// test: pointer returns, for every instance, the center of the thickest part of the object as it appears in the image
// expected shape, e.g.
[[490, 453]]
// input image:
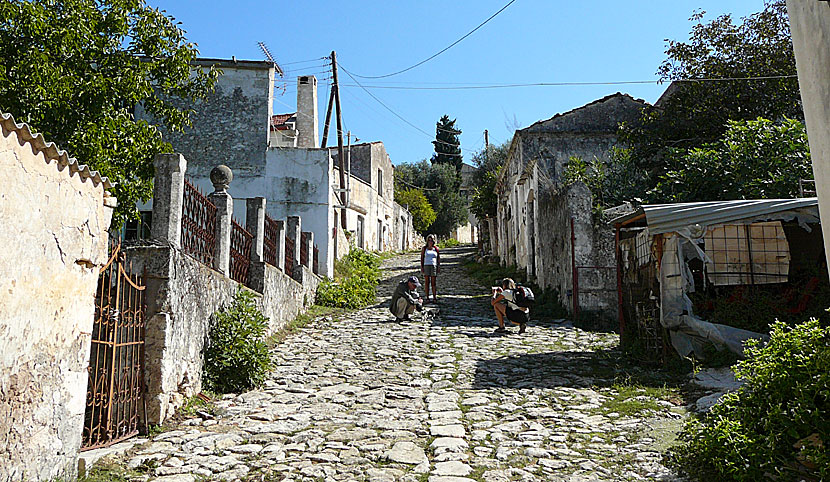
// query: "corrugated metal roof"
[[51, 151], [665, 218]]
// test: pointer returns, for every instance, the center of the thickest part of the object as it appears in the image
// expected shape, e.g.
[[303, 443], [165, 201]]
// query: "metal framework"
[[271, 241], [304, 249], [241, 243], [198, 225], [115, 407], [289, 256]]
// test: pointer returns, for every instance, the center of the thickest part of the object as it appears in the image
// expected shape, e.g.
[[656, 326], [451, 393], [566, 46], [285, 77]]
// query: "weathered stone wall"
[[182, 295], [54, 235], [230, 126], [594, 247], [810, 24]]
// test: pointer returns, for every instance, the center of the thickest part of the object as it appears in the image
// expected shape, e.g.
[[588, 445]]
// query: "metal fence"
[[271, 241], [289, 256], [115, 391], [241, 243], [198, 225], [304, 249]]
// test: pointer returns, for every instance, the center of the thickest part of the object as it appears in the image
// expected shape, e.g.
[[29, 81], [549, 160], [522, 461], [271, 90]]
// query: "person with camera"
[[405, 299], [504, 301]]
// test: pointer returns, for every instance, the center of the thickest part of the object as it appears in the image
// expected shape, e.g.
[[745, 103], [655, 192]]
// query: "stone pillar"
[[255, 224], [221, 177], [810, 25], [294, 231], [309, 246], [168, 198]]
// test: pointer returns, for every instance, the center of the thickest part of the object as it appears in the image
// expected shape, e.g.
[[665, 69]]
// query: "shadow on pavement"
[[569, 369]]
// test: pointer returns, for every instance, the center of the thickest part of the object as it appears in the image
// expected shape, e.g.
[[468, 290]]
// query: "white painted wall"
[[810, 25]]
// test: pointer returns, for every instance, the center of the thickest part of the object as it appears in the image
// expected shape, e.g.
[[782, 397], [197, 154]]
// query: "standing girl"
[[430, 266]]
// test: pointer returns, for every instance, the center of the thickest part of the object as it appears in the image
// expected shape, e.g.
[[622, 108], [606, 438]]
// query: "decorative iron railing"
[[271, 245], [198, 225], [115, 390], [316, 258], [289, 256], [304, 249], [241, 243]]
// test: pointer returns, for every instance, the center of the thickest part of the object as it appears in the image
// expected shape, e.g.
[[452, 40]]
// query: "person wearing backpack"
[[512, 302]]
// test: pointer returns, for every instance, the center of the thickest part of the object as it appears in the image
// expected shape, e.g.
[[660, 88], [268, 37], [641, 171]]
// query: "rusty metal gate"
[[115, 407]]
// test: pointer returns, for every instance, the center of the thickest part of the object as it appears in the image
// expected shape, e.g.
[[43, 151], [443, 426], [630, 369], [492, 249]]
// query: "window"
[[380, 182], [359, 234], [136, 229]]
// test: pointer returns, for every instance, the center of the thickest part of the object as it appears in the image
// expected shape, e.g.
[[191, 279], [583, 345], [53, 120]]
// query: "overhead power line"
[[561, 84], [440, 51], [395, 113]]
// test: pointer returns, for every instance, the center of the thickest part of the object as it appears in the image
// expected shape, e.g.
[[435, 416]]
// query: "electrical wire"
[[303, 61], [560, 84], [440, 51], [395, 113]]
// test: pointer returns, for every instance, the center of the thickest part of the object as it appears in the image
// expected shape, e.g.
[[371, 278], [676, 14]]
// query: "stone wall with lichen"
[[54, 240], [182, 296]]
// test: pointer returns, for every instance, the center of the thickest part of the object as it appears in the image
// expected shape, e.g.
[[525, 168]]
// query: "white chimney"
[[307, 111]]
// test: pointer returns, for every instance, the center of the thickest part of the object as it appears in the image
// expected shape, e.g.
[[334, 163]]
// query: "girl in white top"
[[430, 267]]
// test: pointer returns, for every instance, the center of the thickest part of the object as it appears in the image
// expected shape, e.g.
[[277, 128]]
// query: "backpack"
[[523, 297]]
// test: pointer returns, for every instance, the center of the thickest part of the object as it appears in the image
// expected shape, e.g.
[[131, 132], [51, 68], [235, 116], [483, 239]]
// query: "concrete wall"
[[810, 25], [54, 235], [182, 295]]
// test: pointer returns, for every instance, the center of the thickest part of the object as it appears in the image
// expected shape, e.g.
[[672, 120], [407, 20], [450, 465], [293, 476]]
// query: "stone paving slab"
[[441, 399]]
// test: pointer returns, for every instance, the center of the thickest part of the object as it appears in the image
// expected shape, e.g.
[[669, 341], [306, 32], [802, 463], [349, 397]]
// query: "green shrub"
[[356, 277], [777, 425], [449, 243], [236, 357]]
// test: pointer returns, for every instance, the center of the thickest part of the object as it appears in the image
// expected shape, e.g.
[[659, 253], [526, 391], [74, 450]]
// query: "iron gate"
[[115, 407]]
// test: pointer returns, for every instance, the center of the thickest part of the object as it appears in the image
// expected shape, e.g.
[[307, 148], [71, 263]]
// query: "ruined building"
[[548, 229]]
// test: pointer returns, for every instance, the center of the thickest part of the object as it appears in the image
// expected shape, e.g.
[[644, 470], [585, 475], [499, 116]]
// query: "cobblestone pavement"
[[440, 399]]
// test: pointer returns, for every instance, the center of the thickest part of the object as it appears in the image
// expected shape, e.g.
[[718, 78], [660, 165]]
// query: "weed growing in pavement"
[[201, 402], [236, 356], [107, 471], [449, 243], [356, 277], [303, 319]]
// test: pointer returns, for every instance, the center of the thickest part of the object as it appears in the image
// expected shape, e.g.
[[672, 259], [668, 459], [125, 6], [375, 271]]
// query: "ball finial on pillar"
[[221, 177]]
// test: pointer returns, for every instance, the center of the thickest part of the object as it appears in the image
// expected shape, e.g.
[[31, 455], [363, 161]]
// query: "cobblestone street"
[[442, 399]]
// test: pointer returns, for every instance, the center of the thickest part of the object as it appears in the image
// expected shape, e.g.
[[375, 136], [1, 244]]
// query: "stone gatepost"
[[221, 176], [309, 246], [280, 244], [168, 198], [255, 224], [294, 231]]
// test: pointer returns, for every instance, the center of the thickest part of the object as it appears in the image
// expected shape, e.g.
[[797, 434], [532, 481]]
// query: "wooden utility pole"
[[328, 118], [486, 145], [336, 89]]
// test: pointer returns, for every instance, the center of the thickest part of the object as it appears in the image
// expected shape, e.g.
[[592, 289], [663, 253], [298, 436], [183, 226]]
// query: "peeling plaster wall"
[[594, 247], [810, 25], [182, 295], [54, 242]]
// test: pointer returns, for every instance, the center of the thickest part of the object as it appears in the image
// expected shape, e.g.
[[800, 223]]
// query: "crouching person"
[[406, 299], [506, 302]]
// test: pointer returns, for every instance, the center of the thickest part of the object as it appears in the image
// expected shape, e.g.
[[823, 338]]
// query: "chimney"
[[307, 111]]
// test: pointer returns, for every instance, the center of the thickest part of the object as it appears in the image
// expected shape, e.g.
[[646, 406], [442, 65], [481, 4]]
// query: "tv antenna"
[[269, 57]]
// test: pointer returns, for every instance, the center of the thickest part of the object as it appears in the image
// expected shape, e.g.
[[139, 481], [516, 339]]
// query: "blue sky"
[[531, 41]]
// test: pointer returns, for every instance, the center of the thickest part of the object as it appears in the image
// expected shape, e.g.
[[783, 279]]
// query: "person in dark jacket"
[[405, 299], [504, 303]]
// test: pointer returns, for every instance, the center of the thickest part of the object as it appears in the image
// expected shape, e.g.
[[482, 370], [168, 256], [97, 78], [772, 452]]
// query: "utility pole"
[[328, 118], [486, 145], [340, 156]]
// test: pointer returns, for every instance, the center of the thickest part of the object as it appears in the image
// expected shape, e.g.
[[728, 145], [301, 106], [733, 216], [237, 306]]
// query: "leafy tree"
[[696, 113], [416, 202], [446, 143], [753, 160], [489, 162], [74, 70], [440, 185]]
